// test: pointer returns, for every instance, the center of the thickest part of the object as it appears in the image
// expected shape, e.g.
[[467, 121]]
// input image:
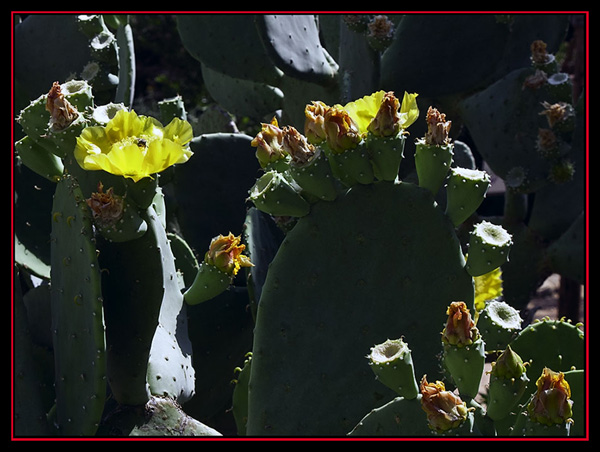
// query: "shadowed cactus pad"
[[339, 284]]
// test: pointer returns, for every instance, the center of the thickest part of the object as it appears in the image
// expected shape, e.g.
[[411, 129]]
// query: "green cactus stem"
[[308, 166], [353, 165], [498, 323], [277, 195], [489, 246], [465, 192], [391, 361], [39, 159], [508, 381], [386, 156], [77, 314], [114, 216], [240, 395], [55, 119], [387, 135], [433, 153], [209, 282], [464, 350]]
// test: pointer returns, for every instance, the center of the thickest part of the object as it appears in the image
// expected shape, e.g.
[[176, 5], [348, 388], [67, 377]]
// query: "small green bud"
[[508, 381], [498, 322], [508, 365]]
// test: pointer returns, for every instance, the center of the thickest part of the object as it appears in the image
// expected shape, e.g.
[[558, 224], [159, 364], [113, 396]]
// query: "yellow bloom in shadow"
[[487, 287], [134, 146]]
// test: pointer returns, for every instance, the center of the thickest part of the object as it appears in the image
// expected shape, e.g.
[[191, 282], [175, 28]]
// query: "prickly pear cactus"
[[381, 260]]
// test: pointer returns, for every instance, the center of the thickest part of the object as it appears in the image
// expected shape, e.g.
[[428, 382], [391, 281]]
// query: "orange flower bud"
[[445, 410], [107, 208], [438, 128], [62, 113], [314, 123], [342, 133], [268, 143], [460, 328], [552, 402]]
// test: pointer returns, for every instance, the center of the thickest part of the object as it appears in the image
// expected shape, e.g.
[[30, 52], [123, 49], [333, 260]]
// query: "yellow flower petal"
[[127, 161], [409, 111], [179, 131], [363, 110]]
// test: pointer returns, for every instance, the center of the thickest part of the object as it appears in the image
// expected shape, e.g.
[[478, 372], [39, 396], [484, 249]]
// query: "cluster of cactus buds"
[[358, 143]]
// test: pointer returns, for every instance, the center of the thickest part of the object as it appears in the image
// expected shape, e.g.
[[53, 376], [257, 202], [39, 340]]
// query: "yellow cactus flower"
[[487, 287], [364, 110], [134, 146], [225, 253]]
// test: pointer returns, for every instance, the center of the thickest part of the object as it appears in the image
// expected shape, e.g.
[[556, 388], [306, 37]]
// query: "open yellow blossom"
[[365, 109], [134, 146]]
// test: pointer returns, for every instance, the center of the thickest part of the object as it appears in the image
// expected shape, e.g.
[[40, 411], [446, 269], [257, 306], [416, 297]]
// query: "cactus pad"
[[77, 314]]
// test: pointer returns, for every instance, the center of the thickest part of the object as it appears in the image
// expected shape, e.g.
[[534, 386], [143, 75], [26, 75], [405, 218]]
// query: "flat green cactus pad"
[[340, 283]]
